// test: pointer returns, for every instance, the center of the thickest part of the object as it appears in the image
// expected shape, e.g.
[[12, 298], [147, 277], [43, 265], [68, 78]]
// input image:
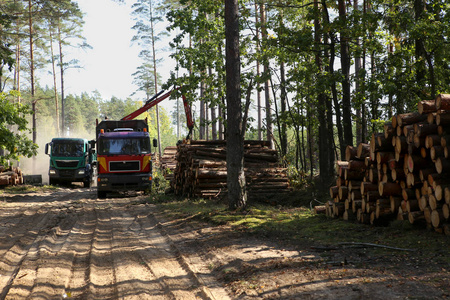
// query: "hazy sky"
[[109, 65]]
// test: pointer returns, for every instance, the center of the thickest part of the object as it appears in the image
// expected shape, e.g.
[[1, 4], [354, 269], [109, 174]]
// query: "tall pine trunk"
[[266, 71], [237, 194], [61, 66], [345, 66], [55, 89]]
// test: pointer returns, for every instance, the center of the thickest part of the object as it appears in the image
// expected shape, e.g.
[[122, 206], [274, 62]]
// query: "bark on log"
[[415, 216], [395, 203], [389, 130], [368, 186], [356, 204], [424, 129], [363, 150], [389, 189], [443, 102], [410, 118], [358, 165], [354, 185], [398, 174], [385, 157], [343, 193], [426, 106], [350, 153], [433, 140], [383, 143], [401, 144], [356, 195], [340, 167], [416, 162], [445, 140], [320, 209], [412, 205], [354, 174], [443, 119]]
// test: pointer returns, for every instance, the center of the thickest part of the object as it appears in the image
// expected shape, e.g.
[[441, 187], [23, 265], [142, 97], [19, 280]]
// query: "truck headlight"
[[80, 172], [52, 172]]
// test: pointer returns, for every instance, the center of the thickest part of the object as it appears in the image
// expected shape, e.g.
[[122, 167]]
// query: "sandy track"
[[68, 244]]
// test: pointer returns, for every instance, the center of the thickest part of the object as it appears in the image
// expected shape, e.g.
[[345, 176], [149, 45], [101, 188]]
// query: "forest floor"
[[65, 243]]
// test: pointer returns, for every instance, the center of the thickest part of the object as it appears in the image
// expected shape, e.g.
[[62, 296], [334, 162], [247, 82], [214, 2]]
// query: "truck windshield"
[[124, 146], [68, 149]]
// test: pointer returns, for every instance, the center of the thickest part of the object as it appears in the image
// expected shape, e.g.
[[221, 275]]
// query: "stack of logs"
[[201, 170], [10, 176], [168, 162], [402, 173]]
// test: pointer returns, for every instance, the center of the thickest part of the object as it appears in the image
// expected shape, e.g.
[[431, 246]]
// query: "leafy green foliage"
[[13, 124]]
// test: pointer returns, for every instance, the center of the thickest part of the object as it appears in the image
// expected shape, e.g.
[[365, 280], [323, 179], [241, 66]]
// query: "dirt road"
[[69, 244], [66, 243]]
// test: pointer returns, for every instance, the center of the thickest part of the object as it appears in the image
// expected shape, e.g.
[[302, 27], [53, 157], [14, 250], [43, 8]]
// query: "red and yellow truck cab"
[[123, 156]]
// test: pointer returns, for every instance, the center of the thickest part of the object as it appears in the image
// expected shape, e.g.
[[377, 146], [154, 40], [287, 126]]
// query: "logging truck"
[[71, 160], [124, 150]]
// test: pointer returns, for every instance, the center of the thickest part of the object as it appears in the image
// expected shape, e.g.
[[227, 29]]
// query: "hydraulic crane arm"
[[156, 99]]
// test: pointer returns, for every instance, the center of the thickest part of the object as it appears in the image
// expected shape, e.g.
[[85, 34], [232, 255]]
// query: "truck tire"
[[101, 194], [87, 183], [53, 181]]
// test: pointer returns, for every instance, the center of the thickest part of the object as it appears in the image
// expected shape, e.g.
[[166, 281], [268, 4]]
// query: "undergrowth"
[[291, 219], [26, 188]]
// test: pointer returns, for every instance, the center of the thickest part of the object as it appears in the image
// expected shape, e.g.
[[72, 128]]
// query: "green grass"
[[20, 189]]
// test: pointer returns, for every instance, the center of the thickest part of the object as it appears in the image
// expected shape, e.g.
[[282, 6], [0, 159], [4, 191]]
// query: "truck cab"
[[72, 160], [124, 156]]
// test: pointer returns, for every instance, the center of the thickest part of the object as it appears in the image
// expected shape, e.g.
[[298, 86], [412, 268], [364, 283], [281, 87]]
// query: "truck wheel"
[[53, 181], [87, 183], [101, 194]]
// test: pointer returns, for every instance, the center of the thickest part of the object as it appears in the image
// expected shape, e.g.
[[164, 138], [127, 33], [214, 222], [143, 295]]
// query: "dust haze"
[[45, 132]]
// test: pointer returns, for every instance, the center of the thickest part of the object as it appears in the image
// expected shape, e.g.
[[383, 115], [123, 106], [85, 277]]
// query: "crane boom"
[[156, 99]]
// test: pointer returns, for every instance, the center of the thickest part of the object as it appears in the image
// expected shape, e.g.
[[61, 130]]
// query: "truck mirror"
[[46, 148], [155, 143], [92, 143]]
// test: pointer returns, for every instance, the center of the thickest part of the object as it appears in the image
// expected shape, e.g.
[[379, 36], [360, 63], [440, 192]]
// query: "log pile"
[[201, 170], [402, 173], [168, 162], [10, 176]]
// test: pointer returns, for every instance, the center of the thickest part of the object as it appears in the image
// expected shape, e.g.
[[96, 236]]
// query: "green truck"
[[72, 160]]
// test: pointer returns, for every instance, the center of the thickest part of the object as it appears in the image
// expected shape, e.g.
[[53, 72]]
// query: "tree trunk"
[[237, 194], [155, 74], [345, 65], [283, 132], [33, 100], [337, 108], [258, 73], [54, 83], [322, 107], [269, 127], [61, 67]]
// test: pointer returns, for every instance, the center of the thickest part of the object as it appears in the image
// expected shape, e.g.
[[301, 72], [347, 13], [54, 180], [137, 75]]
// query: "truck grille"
[[124, 166], [66, 163], [67, 173]]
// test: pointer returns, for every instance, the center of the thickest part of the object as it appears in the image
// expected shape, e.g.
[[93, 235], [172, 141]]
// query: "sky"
[[109, 65]]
